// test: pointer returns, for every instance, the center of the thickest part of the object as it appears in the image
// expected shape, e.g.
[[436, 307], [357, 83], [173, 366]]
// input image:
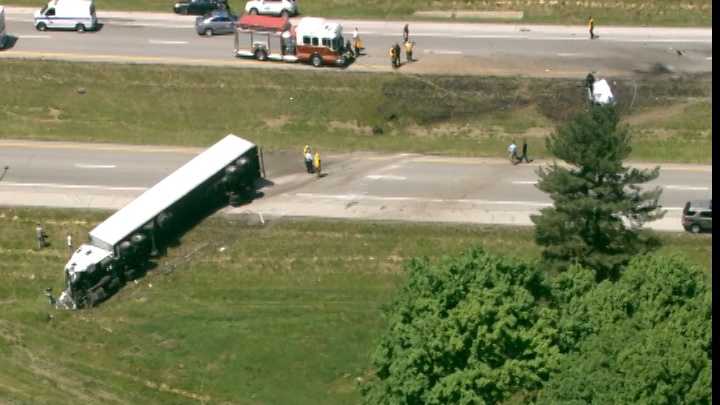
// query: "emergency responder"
[[308, 158], [317, 164], [357, 42], [393, 57], [406, 33], [591, 27], [409, 50], [397, 55], [69, 243]]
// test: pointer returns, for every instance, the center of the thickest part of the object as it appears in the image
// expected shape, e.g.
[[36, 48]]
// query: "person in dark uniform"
[[397, 55], [524, 155], [406, 33]]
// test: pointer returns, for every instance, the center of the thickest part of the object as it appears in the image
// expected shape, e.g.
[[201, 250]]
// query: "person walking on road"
[[392, 57], [591, 27], [524, 155], [406, 33], [512, 153], [397, 55], [40, 236], [317, 164]]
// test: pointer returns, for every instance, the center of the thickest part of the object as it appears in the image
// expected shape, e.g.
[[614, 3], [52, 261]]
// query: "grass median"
[[610, 12], [337, 111], [284, 313]]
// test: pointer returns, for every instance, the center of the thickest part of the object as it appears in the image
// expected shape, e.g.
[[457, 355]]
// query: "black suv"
[[697, 216], [199, 7]]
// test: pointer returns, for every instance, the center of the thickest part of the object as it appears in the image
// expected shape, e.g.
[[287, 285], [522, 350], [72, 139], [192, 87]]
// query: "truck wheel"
[[261, 55], [316, 60], [208, 32], [284, 14], [41, 27], [695, 228], [253, 11], [80, 28]]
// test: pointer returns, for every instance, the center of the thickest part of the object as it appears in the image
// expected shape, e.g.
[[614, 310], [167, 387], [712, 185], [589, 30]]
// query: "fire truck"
[[313, 40]]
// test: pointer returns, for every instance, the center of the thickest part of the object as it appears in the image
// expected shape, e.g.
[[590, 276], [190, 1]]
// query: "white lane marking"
[[569, 54], [540, 37], [442, 52], [85, 166], [708, 58], [163, 42], [34, 36], [687, 188], [72, 186], [385, 177], [365, 197], [524, 182]]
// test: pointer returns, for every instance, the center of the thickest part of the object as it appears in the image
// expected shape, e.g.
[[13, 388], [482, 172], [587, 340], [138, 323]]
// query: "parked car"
[[697, 216], [199, 7], [216, 23], [283, 8]]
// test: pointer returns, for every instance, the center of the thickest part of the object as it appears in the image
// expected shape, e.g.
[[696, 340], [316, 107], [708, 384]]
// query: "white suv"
[[284, 8]]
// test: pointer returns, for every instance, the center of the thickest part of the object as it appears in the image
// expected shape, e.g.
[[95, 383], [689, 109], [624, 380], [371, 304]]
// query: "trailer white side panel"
[[168, 191], [2, 27]]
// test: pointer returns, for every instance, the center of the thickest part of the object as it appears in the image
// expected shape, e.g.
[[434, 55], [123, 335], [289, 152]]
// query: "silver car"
[[216, 23]]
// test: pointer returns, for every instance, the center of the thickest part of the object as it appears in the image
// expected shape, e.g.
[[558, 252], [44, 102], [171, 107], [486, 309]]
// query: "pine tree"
[[599, 207]]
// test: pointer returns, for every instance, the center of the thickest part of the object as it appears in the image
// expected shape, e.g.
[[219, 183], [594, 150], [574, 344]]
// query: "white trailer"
[[119, 248]]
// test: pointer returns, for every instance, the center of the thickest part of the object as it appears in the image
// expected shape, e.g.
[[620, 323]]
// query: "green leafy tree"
[[646, 338], [593, 195], [472, 329]]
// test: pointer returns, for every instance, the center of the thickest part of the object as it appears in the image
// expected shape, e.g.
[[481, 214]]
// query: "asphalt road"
[[357, 186], [503, 49]]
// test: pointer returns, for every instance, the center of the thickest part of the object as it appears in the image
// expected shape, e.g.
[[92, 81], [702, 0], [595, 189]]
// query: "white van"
[[78, 15]]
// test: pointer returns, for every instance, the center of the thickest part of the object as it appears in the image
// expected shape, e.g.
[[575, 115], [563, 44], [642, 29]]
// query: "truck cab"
[[320, 42]]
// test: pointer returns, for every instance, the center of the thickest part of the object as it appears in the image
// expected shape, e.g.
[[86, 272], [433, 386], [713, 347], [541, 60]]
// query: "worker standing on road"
[[317, 164], [397, 55], [409, 50], [307, 156], [512, 153], [393, 57], [406, 33], [524, 155], [357, 43], [591, 27]]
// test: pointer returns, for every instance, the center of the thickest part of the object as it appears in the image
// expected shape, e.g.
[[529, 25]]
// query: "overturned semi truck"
[[119, 249]]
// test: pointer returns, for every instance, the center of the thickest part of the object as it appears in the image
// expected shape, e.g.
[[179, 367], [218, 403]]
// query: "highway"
[[459, 48], [403, 187]]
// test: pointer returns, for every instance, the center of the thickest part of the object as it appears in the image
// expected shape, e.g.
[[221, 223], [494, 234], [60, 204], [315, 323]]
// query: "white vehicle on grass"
[[601, 93], [284, 8], [78, 15], [3, 35]]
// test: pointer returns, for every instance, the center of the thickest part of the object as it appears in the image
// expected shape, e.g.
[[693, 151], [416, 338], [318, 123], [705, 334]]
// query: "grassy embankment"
[[285, 313], [340, 111], [608, 12]]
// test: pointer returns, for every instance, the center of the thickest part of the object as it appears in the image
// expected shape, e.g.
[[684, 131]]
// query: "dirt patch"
[[275, 123], [350, 126], [656, 114]]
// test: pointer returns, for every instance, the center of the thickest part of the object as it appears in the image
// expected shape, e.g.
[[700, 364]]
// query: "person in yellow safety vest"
[[393, 57], [591, 27], [409, 50], [317, 163]]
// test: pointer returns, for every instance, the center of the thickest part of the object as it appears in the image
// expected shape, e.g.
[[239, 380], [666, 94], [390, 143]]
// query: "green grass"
[[627, 12], [286, 313], [339, 111]]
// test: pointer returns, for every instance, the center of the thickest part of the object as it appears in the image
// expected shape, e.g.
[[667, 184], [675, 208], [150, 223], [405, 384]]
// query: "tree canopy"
[[467, 330], [599, 206]]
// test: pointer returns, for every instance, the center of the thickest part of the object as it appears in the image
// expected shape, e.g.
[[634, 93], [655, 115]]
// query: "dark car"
[[217, 22], [697, 216], [199, 7]]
